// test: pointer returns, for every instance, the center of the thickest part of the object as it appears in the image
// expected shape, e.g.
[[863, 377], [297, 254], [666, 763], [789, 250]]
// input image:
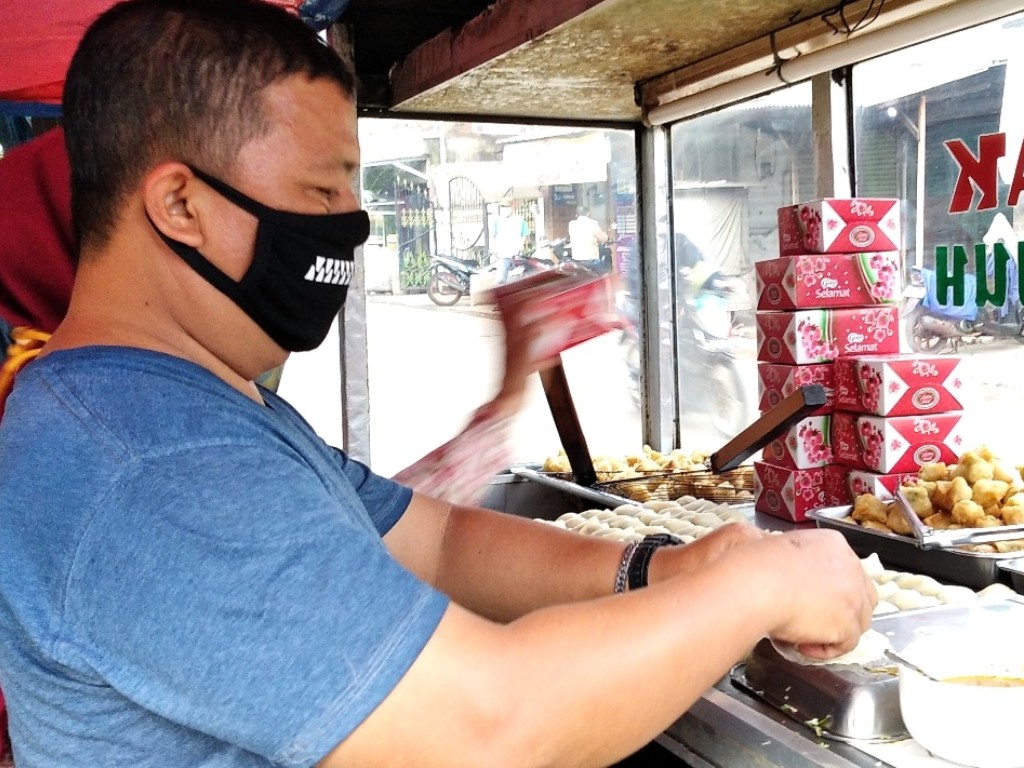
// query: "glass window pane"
[[732, 171], [451, 189], [954, 89]]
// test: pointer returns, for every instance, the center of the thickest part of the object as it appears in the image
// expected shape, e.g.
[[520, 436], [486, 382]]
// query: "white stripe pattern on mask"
[[330, 271]]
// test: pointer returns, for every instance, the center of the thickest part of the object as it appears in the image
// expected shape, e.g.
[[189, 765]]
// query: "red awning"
[[38, 39]]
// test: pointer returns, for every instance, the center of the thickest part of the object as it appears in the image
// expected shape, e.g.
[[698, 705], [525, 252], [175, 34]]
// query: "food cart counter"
[[727, 728], [731, 728]]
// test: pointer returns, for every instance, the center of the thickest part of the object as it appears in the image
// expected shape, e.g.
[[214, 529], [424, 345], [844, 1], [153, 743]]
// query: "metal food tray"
[[972, 569], [668, 486], [699, 484], [848, 702], [931, 538], [1015, 569]]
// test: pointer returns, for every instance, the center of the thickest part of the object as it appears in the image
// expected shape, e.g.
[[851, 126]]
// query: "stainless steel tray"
[[847, 702], [971, 569], [1015, 569]]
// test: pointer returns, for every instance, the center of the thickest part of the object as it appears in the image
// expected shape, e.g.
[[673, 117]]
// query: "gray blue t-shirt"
[[188, 578]]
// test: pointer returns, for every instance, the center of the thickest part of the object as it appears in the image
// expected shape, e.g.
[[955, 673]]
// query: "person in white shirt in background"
[[509, 237], [586, 237]]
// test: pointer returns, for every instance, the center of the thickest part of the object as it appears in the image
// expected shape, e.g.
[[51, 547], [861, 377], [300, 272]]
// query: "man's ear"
[[170, 194]]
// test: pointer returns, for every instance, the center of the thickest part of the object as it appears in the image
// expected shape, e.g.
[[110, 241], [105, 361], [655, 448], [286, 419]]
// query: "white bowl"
[[974, 725]]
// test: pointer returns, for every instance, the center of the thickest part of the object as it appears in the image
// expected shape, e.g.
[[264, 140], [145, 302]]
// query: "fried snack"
[[875, 526], [897, 522], [942, 496], [974, 466], [940, 521], [933, 471], [967, 513], [918, 499], [979, 491], [989, 493], [1013, 515], [557, 463], [1006, 473], [1010, 545], [869, 508], [959, 490]]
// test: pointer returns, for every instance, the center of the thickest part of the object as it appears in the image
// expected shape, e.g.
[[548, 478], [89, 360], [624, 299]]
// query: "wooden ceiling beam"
[[500, 29]]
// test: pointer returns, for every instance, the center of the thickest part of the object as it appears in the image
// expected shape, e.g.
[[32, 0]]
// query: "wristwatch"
[[640, 561]]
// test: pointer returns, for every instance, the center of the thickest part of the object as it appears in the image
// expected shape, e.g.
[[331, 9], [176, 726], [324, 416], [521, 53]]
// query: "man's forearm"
[[502, 566]]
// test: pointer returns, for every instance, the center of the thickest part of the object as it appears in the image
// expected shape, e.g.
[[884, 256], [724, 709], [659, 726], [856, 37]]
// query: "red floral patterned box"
[[776, 382], [898, 443], [792, 493], [823, 335], [571, 307], [899, 385], [835, 225], [825, 281], [805, 445], [882, 486]]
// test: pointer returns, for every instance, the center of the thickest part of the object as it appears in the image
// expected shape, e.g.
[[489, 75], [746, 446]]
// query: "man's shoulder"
[[132, 399]]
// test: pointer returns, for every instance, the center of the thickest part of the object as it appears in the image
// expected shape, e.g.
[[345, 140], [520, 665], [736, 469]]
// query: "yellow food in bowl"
[[990, 681]]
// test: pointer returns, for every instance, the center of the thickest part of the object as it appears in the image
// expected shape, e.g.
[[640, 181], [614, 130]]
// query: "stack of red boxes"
[[895, 413], [831, 294]]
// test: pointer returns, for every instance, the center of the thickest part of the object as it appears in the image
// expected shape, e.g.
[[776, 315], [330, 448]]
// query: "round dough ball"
[[680, 527], [872, 565], [659, 506], [707, 520], [734, 516], [628, 509], [910, 581], [887, 590], [908, 599], [625, 521], [885, 576], [996, 592], [928, 586], [952, 594]]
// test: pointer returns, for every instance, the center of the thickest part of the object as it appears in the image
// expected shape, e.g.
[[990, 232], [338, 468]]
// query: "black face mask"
[[302, 265]]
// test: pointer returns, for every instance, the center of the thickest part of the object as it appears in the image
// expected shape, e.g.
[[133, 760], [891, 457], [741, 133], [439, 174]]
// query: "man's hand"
[[691, 558], [825, 598]]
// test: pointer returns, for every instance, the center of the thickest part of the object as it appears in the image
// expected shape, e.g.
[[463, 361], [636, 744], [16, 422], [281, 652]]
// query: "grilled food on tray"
[[980, 491]]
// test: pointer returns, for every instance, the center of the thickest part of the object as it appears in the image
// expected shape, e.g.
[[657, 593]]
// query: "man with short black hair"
[[190, 576]]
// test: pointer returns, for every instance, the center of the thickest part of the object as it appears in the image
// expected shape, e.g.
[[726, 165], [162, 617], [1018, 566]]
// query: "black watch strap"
[[640, 563]]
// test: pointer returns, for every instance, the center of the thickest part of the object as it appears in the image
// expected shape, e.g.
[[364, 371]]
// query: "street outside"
[[431, 367]]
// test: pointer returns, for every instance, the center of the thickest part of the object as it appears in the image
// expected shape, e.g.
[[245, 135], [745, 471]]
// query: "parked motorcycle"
[[450, 278], [562, 253], [932, 325]]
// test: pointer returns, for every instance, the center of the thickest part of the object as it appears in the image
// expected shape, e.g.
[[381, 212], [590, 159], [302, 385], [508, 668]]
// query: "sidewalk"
[[422, 301]]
